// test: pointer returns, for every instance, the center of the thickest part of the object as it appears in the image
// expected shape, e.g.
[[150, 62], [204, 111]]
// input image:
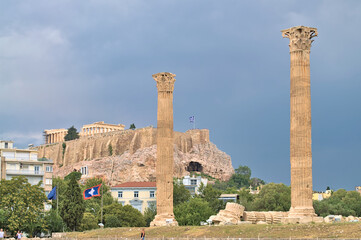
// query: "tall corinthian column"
[[300, 126], [165, 160]]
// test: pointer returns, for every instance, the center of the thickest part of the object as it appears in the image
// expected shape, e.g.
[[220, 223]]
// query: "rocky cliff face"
[[133, 155]]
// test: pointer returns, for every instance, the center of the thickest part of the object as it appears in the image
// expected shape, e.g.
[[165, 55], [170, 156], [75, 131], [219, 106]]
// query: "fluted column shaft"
[[165, 159], [300, 130], [300, 120]]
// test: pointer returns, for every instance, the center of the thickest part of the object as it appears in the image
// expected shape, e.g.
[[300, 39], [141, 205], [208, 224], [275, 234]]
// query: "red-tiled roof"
[[135, 184]]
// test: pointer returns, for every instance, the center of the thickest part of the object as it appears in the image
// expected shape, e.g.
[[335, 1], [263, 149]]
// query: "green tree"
[[3, 218], [110, 149], [256, 182], [150, 213], [321, 208], [192, 212], [127, 215], [246, 198], [131, 217], [211, 195], [72, 206], [74, 174], [132, 126], [273, 197], [222, 185], [352, 199], [341, 202], [22, 205], [60, 185], [180, 193], [231, 190], [72, 134], [338, 195], [241, 177], [89, 222], [112, 221], [93, 205], [54, 221], [64, 147]]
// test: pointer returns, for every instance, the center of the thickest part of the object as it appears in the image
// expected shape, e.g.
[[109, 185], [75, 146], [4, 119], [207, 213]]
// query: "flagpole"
[[57, 200], [101, 219]]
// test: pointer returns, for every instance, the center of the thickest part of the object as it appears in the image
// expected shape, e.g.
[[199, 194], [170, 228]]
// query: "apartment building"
[[24, 162]]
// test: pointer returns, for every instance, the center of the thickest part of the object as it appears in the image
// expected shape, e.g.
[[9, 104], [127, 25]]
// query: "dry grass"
[[319, 230]]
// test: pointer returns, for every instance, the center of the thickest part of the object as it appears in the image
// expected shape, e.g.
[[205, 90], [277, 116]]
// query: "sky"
[[65, 63]]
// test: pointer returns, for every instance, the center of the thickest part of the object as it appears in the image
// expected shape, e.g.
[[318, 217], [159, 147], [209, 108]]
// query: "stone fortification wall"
[[134, 155]]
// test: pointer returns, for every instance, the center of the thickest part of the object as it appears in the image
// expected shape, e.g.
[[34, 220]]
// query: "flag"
[[191, 119], [52, 194], [92, 192]]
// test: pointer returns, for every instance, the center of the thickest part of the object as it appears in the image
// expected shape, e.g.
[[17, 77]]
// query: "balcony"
[[25, 172]]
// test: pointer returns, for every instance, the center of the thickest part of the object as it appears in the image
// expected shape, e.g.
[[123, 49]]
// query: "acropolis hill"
[[134, 155]]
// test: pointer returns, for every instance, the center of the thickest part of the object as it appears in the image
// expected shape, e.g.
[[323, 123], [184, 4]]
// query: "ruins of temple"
[[57, 135]]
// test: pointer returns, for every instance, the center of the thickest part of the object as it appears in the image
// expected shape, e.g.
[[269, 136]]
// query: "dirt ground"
[[313, 230]]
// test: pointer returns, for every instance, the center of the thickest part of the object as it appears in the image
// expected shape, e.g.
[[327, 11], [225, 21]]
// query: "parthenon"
[[57, 135], [100, 127]]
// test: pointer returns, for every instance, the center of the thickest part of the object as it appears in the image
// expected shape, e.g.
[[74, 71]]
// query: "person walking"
[[142, 234], [18, 235], [2, 234]]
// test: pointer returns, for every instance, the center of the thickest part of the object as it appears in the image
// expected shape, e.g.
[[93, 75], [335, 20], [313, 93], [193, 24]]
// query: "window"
[[136, 194], [151, 194], [11, 166], [6, 145], [24, 167], [22, 156], [193, 181], [120, 194], [9, 155], [84, 170], [48, 181], [49, 168], [37, 169]]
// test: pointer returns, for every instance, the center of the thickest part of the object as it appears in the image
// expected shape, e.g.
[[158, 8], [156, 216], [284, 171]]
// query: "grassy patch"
[[319, 230]]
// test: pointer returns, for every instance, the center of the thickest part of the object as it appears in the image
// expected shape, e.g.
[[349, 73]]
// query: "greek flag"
[[52, 194], [91, 192], [191, 119]]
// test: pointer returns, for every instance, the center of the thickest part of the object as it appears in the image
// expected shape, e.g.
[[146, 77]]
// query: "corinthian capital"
[[300, 37], [165, 81]]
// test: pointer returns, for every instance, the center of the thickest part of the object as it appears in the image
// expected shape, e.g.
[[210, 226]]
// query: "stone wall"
[[134, 155]]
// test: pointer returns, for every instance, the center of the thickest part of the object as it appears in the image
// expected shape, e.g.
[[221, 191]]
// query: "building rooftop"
[[136, 185], [229, 195]]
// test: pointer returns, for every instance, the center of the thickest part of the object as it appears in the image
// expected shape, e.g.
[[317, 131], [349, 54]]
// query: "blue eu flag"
[[52, 194], [92, 192], [191, 119]]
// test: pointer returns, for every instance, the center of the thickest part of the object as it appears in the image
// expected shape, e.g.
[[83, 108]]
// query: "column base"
[[302, 212], [164, 220]]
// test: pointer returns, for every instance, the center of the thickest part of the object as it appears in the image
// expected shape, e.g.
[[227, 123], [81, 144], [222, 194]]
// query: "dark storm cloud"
[[66, 63]]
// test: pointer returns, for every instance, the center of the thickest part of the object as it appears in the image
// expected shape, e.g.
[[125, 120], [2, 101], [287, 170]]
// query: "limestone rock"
[[134, 155], [261, 222]]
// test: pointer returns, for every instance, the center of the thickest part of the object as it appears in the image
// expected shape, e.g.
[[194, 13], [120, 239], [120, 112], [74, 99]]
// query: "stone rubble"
[[229, 216]]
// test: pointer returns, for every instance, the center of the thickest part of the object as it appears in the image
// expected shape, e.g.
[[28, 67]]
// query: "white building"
[[24, 162], [193, 183], [140, 195]]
